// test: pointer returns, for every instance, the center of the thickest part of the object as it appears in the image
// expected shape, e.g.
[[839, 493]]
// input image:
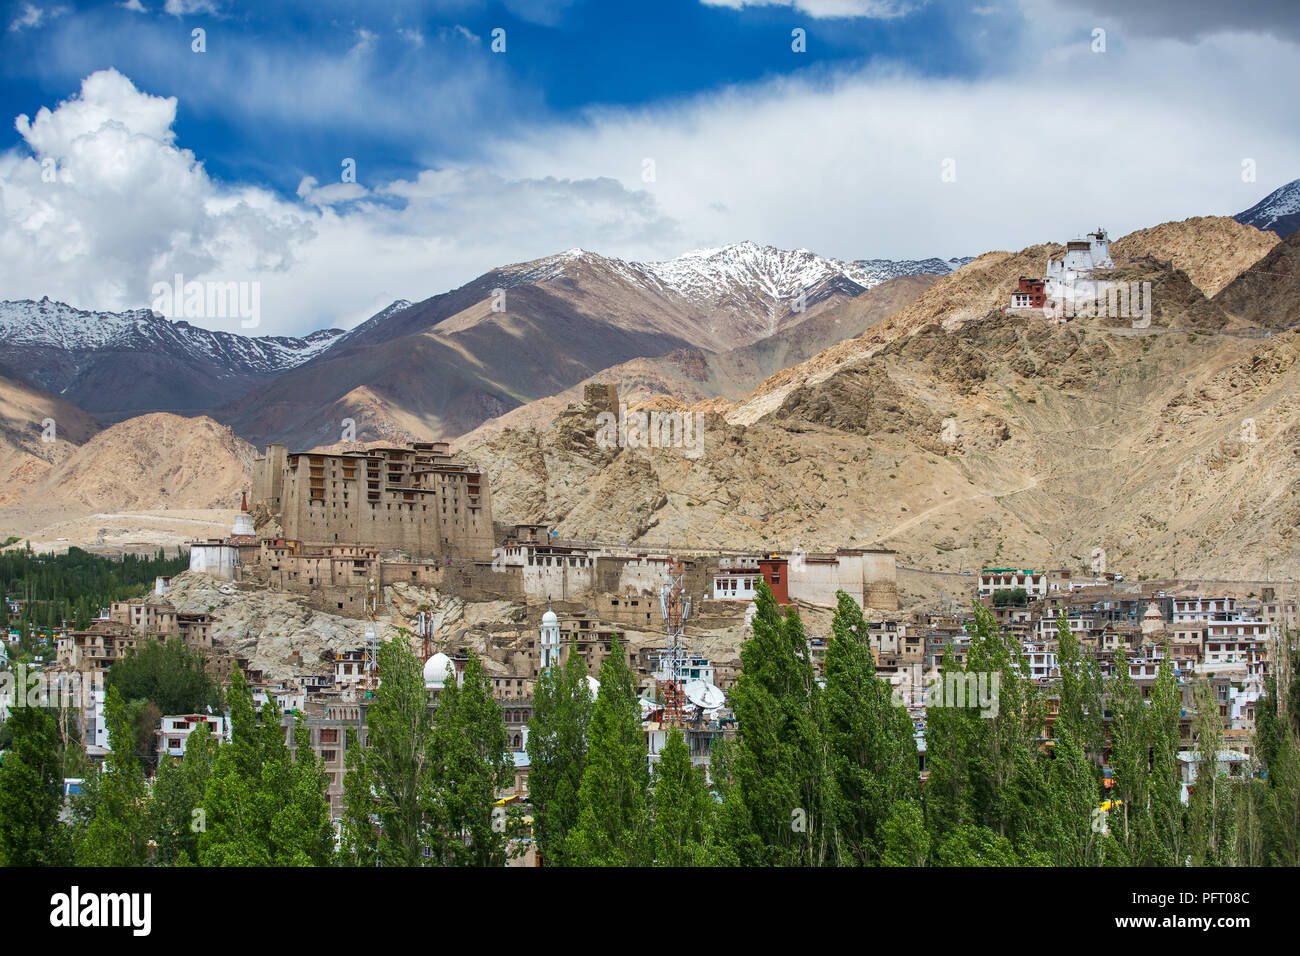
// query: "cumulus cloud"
[[100, 200], [852, 164], [103, 204]]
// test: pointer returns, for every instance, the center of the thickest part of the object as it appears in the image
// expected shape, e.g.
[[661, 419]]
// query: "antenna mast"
[[676, 607]]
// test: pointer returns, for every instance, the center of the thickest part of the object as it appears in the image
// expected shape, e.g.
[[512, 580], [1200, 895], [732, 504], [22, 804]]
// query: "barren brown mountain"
[[37, 432], [150, 462], [697, 375], [1268, 294], [443, 366], [1212, 250], [962, 436]]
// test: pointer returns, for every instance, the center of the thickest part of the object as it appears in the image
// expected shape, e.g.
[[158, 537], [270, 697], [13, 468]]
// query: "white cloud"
[[411, 35], [846, 164], [129, 208], [365, 42], [465, 33], [850, 164], [182, 8], [34, 16], [830, 9], [135, 6]]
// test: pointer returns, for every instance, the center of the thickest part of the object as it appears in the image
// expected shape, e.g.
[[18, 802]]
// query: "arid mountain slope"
[[962, 436], [1268, 294], [1212, 250], [440, 385], [149, 462], [697, 375], [37, 432], [524, 332]]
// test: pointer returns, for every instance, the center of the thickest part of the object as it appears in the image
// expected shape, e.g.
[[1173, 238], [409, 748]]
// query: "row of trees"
[[826, 774], [819, 773], [71, 587], [253, 802], [425, 789]]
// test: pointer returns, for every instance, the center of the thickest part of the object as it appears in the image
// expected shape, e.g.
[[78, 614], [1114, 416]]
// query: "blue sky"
[[227, 163], [561, 60]]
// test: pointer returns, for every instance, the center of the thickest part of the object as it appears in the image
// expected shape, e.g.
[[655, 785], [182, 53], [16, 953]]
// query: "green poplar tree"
[[236, 818], [681, 806], [1168, 813], [118, 834], [398, 761], [31, 791], [1073, 834], [1003, 736], [1281, 804], [472, 766], [904, 839], [557, 755], [870, 738], [301, 830], [1210, 812], [776, 782], [358, 839], [178, 791], [613, 814]]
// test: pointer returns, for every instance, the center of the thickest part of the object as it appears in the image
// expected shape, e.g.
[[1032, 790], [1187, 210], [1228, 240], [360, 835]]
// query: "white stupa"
[[243, 521]]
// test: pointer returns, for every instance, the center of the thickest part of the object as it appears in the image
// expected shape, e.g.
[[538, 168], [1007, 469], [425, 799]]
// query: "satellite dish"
[[704, 695]]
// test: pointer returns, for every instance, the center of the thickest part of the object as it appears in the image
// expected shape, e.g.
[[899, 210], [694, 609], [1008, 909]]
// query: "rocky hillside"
[[697, 375], [1268, 294], [1212, 250], [285, 639], [962, 436]]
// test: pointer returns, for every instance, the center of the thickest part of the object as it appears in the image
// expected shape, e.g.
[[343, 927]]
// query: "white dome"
[[549, 618], [593, 686], [436, 670]]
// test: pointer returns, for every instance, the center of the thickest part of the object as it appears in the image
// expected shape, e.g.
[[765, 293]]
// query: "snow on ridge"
[[740, 269], [1281, 202], [25, 323]]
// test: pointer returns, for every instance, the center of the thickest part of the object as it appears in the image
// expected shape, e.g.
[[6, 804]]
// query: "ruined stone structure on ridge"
[[417, 499], [602, 396]]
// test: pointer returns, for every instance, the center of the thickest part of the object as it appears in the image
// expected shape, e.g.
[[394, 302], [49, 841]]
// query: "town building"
[[993, 580], [174, 731]]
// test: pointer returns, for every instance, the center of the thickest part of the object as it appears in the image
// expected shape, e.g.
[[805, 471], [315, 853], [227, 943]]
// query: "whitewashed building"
[[174, 731], [993, 580]]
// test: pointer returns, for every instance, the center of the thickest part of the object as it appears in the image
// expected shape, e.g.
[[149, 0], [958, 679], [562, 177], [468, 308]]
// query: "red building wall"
[[774, 573]]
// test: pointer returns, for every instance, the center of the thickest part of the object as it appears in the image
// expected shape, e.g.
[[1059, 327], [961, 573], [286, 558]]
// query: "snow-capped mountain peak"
[[741, 269], [44, 324], [1279, 211], [746, 266]]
